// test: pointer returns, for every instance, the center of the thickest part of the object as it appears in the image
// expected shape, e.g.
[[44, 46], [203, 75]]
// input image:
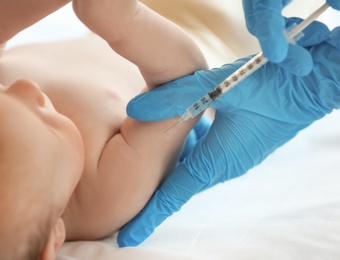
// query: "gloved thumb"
[[173, 98], [167, 100]]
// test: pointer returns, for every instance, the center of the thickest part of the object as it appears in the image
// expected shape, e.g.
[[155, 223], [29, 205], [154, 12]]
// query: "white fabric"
[[286, 208]]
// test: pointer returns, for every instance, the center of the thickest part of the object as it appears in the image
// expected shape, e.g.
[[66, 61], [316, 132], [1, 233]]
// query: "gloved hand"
[[253, 119], [265, 21]]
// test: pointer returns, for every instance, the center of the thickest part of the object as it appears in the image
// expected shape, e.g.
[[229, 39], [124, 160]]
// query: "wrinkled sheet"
[[286, 208]]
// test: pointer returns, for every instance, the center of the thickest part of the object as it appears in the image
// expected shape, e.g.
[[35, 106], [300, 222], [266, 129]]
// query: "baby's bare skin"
[[125, 160]]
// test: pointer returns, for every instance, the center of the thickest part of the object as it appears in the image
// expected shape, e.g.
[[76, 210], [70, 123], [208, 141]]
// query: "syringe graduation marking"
[[237, 76], [230, 82], [216, 93]]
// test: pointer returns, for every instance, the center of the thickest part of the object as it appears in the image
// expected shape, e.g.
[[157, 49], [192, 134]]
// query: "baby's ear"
[[54, 241]]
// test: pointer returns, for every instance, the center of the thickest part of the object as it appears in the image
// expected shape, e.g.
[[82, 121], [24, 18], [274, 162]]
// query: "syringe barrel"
[[199, 106], [241, 73]]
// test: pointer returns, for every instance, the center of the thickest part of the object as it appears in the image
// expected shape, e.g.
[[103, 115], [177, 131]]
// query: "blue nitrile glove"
[[265, 21], [253, 119], [200, 129], [334, 3]]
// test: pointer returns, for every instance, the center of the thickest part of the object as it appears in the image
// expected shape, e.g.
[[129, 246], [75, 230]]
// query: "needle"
[[167, 130]]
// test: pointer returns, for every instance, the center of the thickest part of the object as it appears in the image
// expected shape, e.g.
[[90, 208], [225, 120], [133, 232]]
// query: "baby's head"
[[41, 161]]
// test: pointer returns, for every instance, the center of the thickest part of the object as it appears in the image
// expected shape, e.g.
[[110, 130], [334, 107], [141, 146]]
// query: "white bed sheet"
[[286, 208]]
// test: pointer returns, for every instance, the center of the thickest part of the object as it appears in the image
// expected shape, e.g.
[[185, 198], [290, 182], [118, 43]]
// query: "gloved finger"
[[265, 21], [298, 62], [334, 3], [200, 129], [177, 189], [335, 38], [190, 143], [315, 33], [251, 7]]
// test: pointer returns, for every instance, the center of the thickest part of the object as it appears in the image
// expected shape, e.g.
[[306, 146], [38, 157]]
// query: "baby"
[[72, 165]]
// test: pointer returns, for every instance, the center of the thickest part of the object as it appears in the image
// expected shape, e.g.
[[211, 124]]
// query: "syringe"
[[243, 72]]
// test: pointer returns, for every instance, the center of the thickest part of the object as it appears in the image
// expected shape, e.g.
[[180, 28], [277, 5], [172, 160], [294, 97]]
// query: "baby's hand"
[[110, 19]]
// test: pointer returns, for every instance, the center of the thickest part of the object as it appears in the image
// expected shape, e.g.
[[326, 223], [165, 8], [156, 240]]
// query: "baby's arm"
[[160, 49], [135, 160], [16, 15]]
